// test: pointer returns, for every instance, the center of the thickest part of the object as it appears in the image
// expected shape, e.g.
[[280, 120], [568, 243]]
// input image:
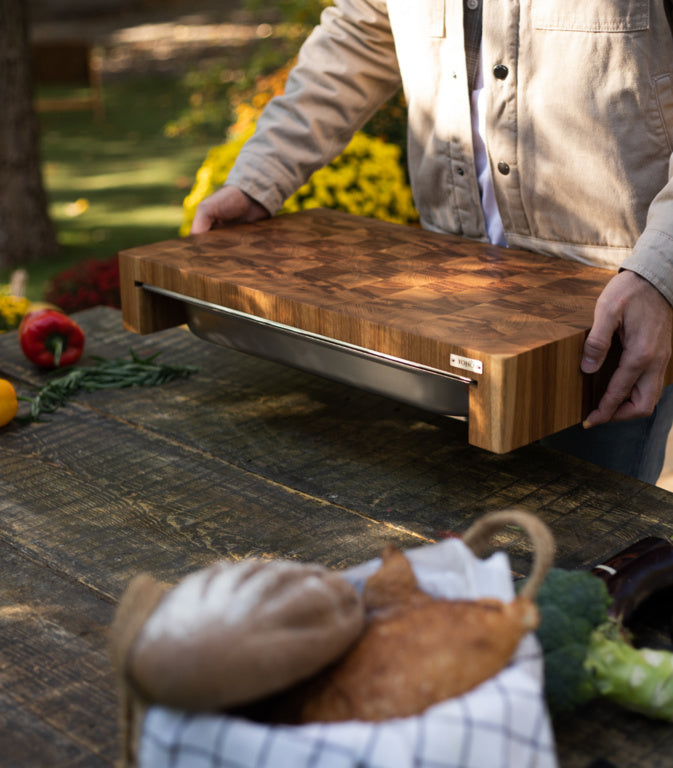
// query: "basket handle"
[[479, 534]]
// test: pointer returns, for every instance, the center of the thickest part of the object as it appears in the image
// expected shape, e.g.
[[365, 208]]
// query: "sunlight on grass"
[[116, 183], [108, 216], [129, 172], [119, 182], [86, 237], [143, 174]]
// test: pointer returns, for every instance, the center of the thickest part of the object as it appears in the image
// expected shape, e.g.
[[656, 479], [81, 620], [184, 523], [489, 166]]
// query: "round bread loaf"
[[234, 633]]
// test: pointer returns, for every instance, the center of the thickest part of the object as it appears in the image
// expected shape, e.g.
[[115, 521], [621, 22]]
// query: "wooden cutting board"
[[512, 321]]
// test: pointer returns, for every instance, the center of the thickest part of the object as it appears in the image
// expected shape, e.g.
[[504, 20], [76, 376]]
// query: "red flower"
[[90, 283]]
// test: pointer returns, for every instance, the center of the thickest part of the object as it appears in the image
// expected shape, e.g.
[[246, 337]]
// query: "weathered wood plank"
[[57, 696], [101, 501], [601, 735], [359, 452]]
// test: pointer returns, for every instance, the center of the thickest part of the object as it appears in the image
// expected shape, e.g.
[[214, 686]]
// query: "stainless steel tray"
[[428, 388]]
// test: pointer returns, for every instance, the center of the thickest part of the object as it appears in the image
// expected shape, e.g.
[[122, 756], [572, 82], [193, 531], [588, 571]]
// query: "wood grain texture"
[[251, 457], [57, 698], [401, 291]]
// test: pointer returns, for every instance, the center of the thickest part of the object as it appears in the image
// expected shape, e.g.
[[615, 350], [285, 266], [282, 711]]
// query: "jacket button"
[[503, 167], [500, 71]]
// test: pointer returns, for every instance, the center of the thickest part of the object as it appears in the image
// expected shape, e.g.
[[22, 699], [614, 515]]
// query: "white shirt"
[[494, 227]]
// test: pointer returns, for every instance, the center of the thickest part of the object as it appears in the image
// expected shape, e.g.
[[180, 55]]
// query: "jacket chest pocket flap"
[[591, 15]]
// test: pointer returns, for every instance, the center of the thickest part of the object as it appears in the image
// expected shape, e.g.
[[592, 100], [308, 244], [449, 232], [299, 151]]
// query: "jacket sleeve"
[[346, 70], [652, 255]]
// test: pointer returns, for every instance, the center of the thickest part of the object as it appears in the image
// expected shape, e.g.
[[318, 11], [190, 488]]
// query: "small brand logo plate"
[[467, 364]]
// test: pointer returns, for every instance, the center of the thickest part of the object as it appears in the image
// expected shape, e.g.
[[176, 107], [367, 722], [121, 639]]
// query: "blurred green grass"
[[118, 182]]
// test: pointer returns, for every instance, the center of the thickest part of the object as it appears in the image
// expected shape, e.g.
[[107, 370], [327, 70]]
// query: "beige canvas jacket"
[[579, 120]]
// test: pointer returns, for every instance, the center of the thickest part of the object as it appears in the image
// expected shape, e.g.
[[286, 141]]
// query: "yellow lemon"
[[9, 404]]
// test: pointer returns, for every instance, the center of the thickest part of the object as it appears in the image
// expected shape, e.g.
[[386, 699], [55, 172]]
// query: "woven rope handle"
[[479, 535]]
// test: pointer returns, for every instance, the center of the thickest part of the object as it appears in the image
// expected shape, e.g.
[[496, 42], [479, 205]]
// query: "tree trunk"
[[26, 231]]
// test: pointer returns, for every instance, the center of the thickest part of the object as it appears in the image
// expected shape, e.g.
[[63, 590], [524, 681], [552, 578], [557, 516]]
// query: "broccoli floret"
[[558, 628], [587, 655], [578, 594], [571, 604], [567, 682]]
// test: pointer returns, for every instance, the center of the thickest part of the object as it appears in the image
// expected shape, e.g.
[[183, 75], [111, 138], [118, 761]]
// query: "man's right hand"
[[229, 205]]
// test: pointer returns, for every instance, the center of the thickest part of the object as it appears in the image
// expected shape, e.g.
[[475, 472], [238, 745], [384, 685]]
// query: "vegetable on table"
[[572, 604], [9, 403], [635, 574], [638, 679], [103, 374], [588, 650], [51, 339]]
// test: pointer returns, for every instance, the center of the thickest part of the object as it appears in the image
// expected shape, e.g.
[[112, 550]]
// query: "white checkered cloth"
[[502, 723]]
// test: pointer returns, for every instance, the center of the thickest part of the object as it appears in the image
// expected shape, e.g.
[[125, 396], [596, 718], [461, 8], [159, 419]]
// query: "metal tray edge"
[[403, 380]]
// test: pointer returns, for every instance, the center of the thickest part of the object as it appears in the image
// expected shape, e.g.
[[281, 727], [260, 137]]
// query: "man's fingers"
[[593, 357], [202, 222], [634, 308], [617, 393], [628, 396], [228, 205], [598, 342]]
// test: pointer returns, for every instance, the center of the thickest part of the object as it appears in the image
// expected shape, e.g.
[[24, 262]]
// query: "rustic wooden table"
[[247, 457]]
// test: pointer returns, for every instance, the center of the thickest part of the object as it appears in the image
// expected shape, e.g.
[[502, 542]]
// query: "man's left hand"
[[632, 307]]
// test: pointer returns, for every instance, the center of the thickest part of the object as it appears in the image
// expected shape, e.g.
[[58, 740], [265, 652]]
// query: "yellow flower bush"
[[249, 105], [366, 179], [12, 309]]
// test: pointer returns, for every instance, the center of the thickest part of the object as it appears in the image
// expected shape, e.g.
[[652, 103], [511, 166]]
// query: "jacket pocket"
[[591, 15]]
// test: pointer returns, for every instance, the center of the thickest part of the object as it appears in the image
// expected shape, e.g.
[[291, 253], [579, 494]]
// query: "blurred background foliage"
[[121, 182]]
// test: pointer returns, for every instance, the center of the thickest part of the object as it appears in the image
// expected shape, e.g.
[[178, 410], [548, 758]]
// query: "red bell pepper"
[[51, 339]]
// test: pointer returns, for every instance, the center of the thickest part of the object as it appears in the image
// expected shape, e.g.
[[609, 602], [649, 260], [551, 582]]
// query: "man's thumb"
[[594, 354]]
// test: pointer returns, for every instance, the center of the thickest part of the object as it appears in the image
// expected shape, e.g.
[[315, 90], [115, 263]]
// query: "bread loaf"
[[234, 633], [415, 651]]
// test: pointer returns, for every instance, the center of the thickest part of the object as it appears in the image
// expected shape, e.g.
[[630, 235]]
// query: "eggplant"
[[640, 581]]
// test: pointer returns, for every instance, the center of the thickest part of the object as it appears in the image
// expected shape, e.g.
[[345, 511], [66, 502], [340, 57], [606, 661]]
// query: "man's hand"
[[634, 308], [229, 205]]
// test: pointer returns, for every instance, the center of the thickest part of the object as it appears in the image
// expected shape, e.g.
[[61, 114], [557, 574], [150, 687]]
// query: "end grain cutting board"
[[508, 325]]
